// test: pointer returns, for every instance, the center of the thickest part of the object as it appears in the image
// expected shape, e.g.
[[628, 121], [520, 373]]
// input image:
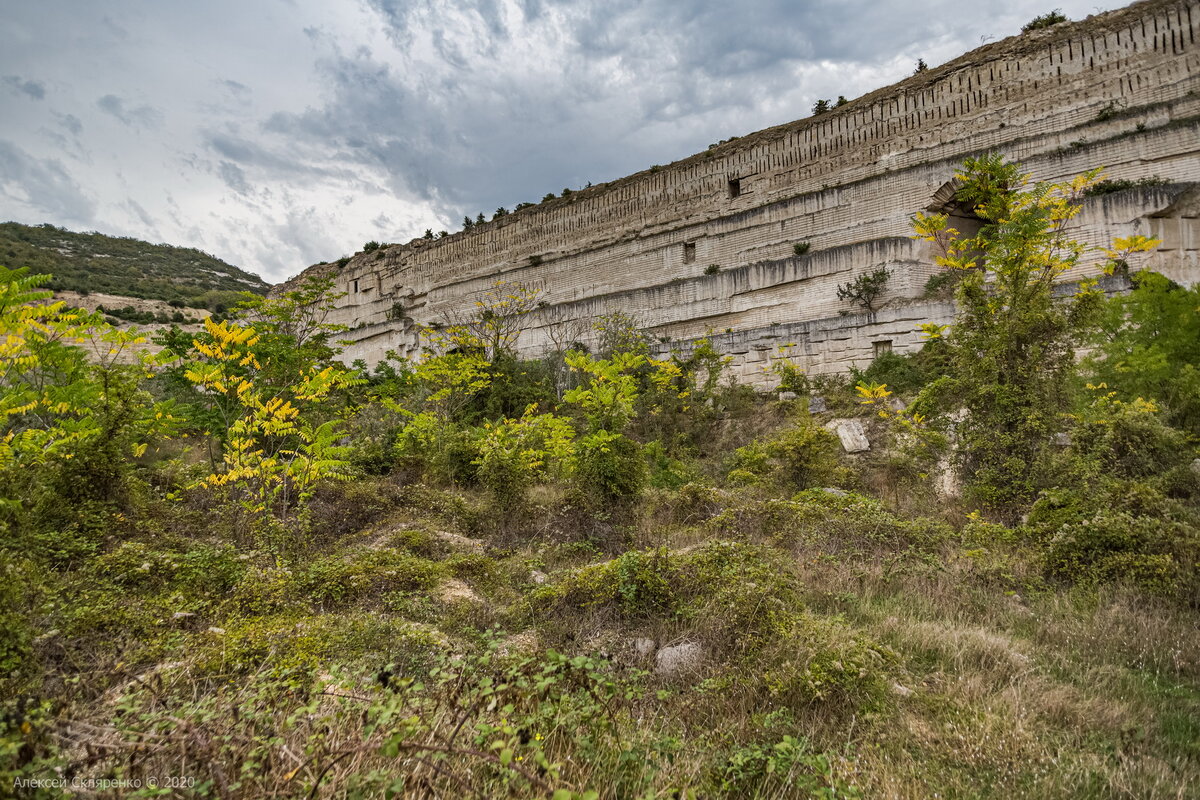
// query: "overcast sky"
[[278, 133]]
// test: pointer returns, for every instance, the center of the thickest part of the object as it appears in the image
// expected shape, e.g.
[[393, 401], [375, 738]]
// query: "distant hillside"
[[93, 262]]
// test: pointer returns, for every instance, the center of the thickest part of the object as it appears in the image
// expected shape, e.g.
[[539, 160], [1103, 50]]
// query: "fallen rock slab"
[[851, 433]]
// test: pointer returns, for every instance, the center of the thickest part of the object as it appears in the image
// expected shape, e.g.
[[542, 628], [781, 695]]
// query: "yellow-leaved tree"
[[1014, 337], [278, 444]]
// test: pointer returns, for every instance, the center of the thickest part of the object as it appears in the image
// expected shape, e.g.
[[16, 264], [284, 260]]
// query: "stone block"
[[851, 433], [679, 658]]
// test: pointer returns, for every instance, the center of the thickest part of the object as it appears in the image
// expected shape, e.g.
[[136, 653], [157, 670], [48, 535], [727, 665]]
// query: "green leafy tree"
[[70, 395], [501, 314], [451, 374], [293, 328], [1149, 346], [619, 333], [1013, 343], [865, 289], [608, 464], [292, 337]]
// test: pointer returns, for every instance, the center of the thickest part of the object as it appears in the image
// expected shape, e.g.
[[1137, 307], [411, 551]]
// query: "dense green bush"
[[800, 457], [1123, 184], [289, 644], [1044, 21], [1157, 555], [608, 468], [1148, 346], [1127, 440], [516, 453], [334, 581], [1125, 507], [514, 386]]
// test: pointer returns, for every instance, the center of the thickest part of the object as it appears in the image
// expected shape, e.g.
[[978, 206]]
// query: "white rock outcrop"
[[852, 434]]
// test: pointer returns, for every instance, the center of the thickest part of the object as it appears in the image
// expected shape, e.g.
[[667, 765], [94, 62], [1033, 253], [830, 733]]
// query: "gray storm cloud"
[[33, 89], [292, 131]]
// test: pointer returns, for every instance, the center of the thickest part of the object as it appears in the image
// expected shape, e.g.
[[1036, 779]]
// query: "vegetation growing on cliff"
[[1047, 20], [247, 566]]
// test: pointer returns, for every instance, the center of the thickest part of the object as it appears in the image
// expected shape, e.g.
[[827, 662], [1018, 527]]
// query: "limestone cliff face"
[[706, 245]]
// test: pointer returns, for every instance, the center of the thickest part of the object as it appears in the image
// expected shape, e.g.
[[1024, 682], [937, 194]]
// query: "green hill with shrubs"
[[94, 262]]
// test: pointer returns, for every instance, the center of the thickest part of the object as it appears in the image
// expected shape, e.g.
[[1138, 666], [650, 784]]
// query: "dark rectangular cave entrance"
[[735, 187], [881, 347], [689, 252]]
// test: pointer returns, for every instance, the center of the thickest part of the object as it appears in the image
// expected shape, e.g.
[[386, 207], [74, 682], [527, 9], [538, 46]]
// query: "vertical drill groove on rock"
[[1119, 90]]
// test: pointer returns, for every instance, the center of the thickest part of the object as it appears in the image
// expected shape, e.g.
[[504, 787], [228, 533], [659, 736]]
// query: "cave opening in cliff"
[[962, 216]]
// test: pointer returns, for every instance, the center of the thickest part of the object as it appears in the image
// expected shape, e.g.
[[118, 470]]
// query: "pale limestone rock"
[[644, 647], [947, 484], [817, 405], [678, 659], [524, 642], [455, 591], [852, 434]]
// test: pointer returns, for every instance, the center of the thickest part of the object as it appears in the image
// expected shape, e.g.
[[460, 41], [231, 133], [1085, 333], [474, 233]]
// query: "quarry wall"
[[705, 246]]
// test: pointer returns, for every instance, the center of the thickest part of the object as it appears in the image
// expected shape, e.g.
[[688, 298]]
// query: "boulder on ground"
[[852, 434], [678, 658]]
